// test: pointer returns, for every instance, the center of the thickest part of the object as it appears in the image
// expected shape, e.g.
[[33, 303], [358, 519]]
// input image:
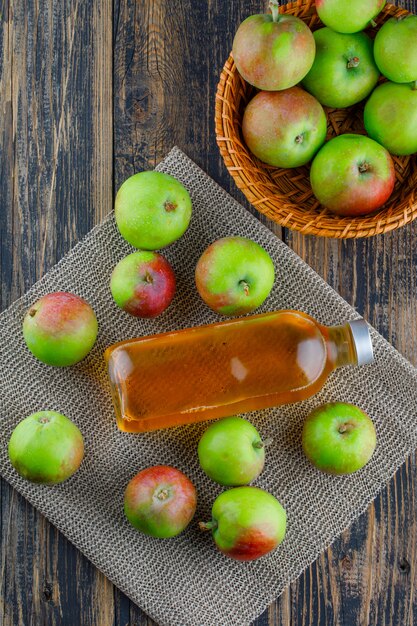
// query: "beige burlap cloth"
[[185, 581]]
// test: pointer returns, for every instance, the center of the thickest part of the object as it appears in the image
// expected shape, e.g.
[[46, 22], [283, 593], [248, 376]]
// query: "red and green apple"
[[143, 284], [284, 128], [247, 523], [160, 501], [60, 329], [273, 51], [234, 275], [352, 175]]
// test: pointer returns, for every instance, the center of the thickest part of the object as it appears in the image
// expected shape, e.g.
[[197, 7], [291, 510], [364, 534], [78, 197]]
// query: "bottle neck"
[[340, 346]]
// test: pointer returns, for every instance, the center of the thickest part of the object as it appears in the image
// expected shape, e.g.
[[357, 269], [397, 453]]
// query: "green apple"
[[395, 49], [344, 71], [348, 16], [46, 447], [234, 275], [60, 329], [273, 52], [246, 523], [284, 128], [152, 210], [390, 117], [231, 452], [338, 438], [352, 175]]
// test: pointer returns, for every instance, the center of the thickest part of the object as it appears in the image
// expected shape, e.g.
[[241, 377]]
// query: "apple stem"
[[274, 6], [170, 206], [148, 278], [245, 287], [44, 420], [263, 444], [32, 312], [163, 494], [208, 525], [373, 23], [353, 62], [345, 428], [363, 167], [401, 17]]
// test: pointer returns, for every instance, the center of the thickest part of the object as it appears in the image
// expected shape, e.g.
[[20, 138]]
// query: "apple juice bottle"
[[230, 367]]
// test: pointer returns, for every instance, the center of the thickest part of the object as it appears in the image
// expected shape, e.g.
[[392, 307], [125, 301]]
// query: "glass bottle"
[[227, 368]]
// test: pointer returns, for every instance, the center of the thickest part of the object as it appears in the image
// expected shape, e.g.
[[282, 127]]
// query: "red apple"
[[273, 52], [160, 501], [352, 175], [143, 284], [284, 128]]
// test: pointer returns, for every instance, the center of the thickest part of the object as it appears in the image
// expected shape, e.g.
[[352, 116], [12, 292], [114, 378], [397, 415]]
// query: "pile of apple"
[[299, 72], [234, 275]]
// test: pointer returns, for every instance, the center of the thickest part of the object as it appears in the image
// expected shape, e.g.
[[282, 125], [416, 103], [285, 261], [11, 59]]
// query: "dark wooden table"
[[91, 92]]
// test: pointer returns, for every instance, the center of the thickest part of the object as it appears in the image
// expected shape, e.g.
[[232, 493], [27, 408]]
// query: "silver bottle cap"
[[362, 341]]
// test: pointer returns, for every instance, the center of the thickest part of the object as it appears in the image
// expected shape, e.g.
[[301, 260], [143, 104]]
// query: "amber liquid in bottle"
[[222, 369]]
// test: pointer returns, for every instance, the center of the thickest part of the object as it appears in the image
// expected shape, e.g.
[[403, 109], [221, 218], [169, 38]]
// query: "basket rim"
[[316, 222]]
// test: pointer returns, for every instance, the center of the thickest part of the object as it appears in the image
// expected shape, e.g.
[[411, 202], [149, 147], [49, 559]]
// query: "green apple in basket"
[[348, 16], [344, 71], [395, 49]]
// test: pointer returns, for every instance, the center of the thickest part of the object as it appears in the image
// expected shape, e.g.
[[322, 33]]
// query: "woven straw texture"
[[185, 581], [285, 195]]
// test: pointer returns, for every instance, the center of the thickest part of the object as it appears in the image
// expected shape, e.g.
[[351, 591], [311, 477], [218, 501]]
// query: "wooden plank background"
[[89, 94]]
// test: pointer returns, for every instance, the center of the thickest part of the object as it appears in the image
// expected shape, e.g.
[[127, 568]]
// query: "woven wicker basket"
[[285, 195]]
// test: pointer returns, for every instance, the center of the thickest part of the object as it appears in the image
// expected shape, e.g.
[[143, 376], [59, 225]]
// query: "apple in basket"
[[395, 49], [348, 16], [273, 52], [352, 175], [390, 117], [284, 128], [344, 71]]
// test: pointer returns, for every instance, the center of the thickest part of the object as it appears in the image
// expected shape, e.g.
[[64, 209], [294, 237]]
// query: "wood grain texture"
[[59, 80], [56, 183]]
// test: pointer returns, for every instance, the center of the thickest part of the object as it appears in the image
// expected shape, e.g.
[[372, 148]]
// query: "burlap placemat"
[[185, 581]]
